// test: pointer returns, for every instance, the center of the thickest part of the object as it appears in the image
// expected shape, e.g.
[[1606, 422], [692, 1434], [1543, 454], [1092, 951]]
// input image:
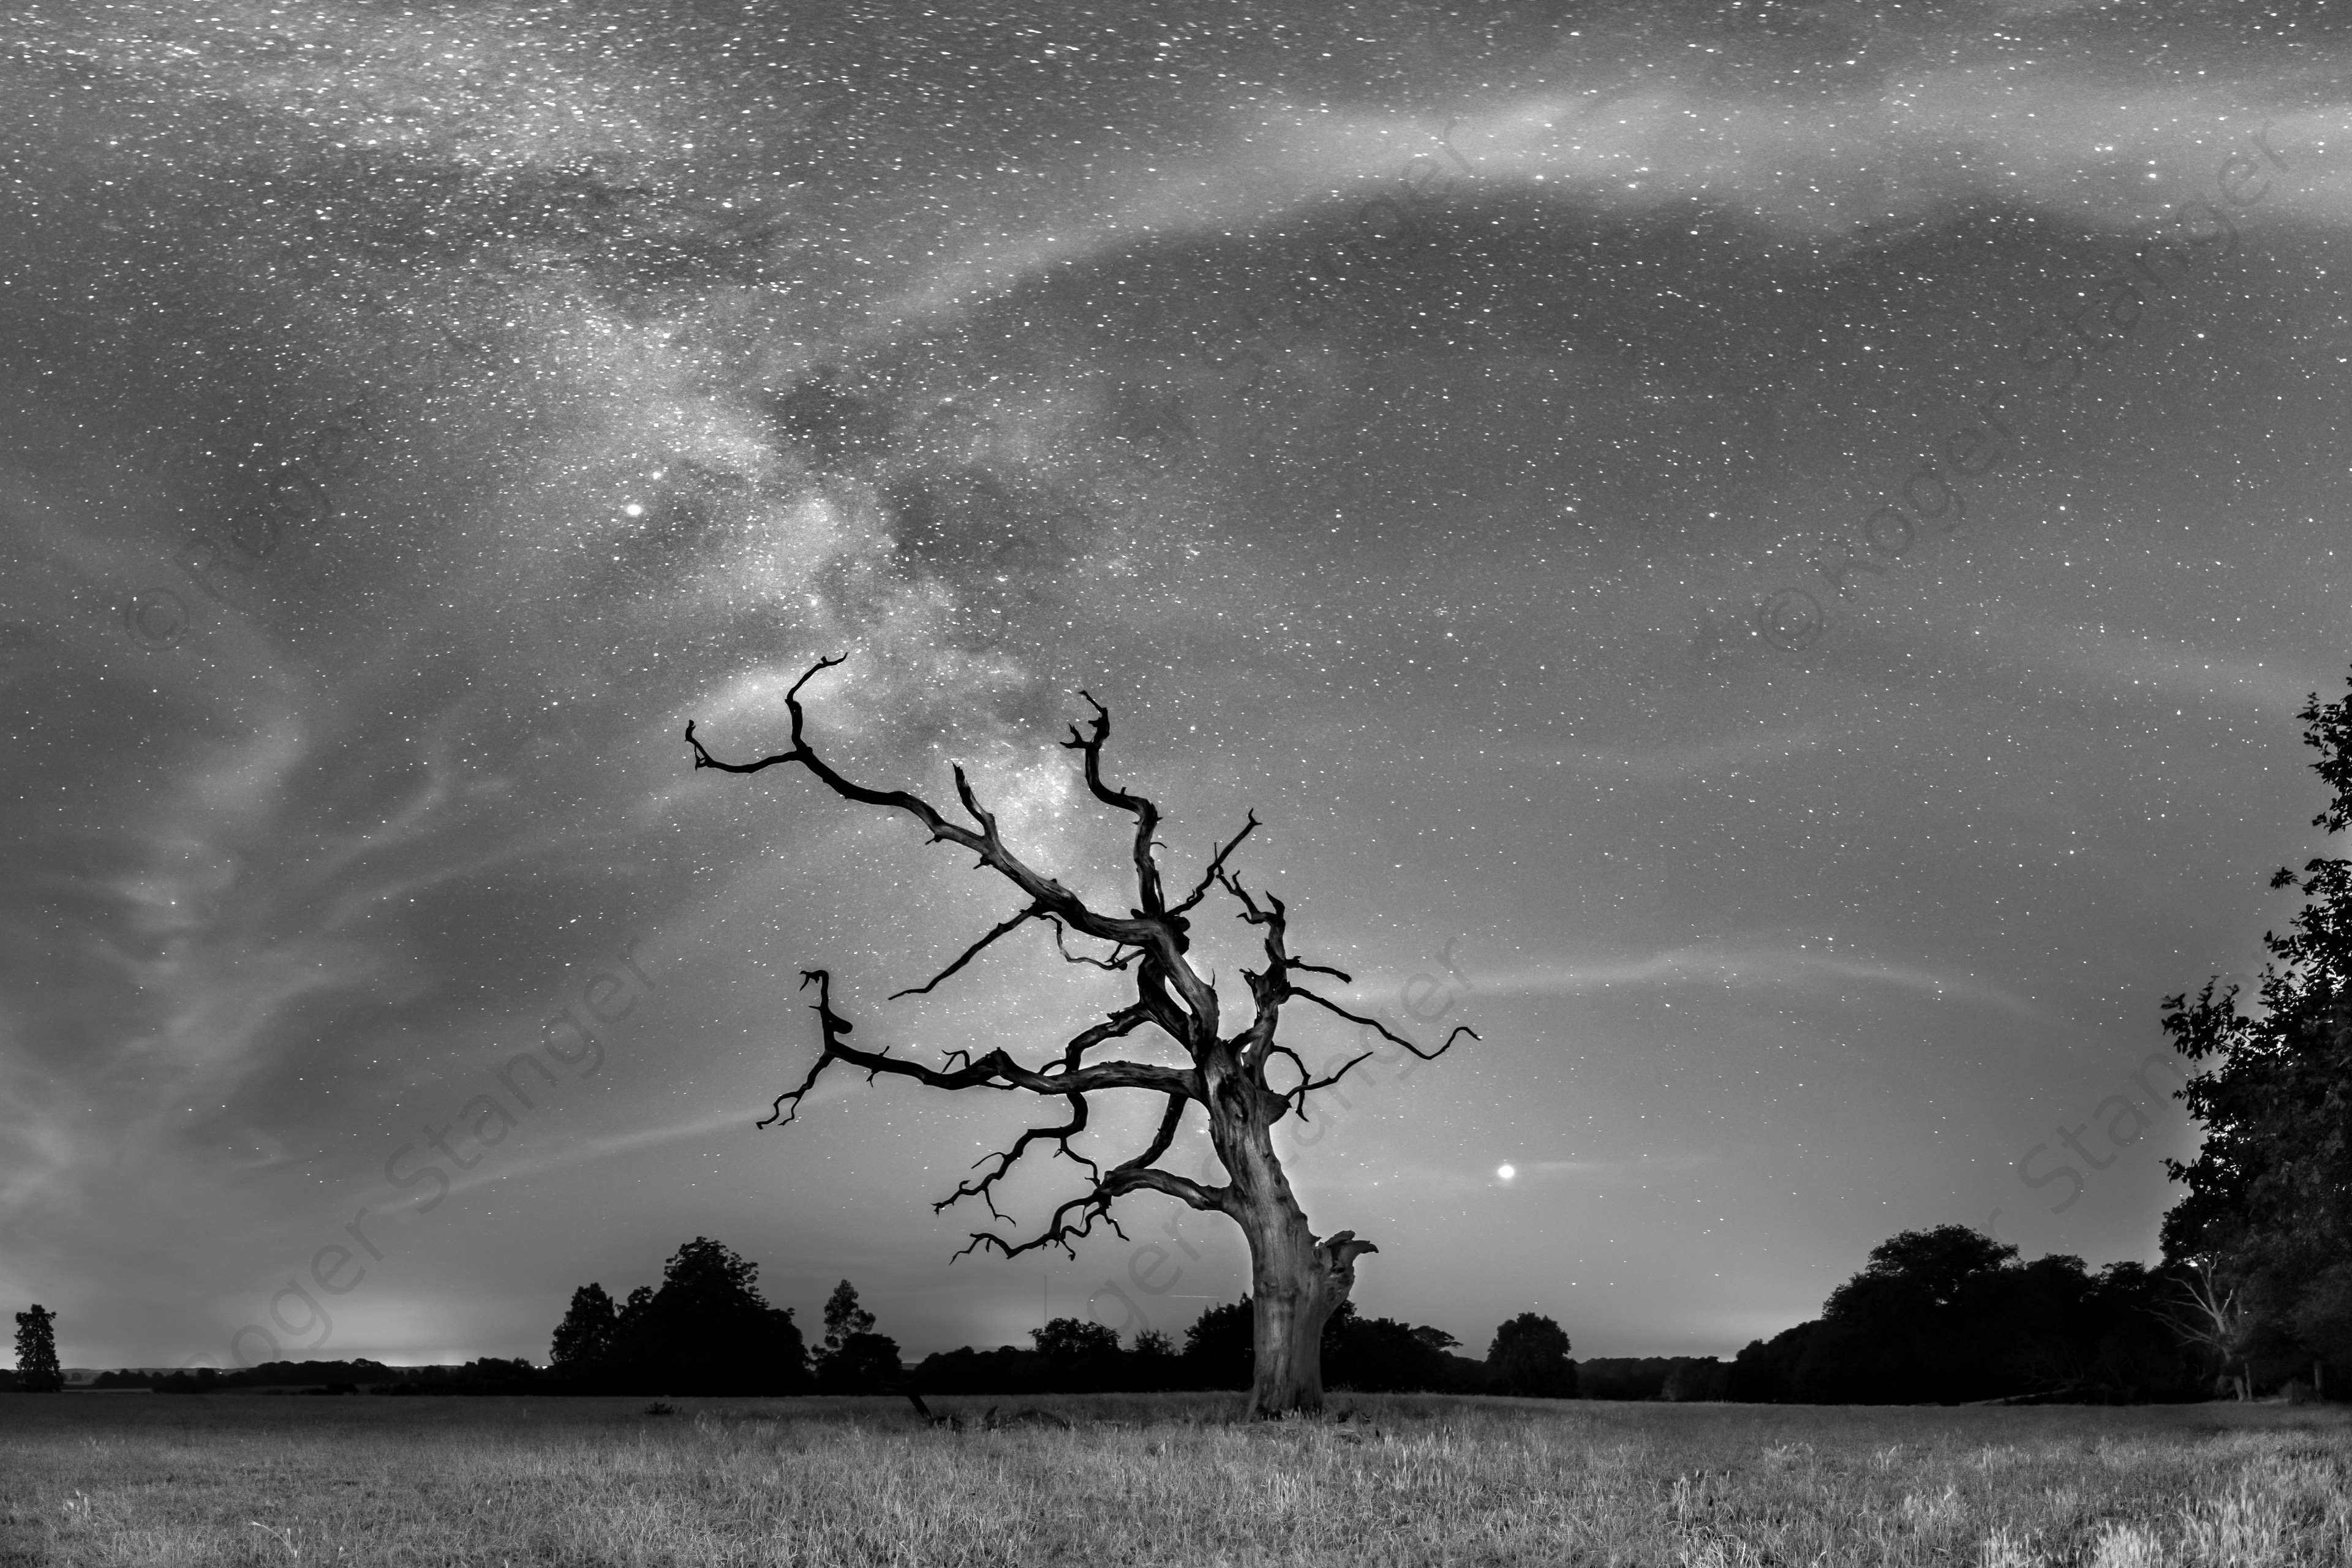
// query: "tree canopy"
[[2268, 1204], [36, 1352], [706, 1330]]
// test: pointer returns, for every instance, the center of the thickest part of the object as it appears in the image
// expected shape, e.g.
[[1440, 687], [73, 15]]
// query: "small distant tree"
[[843, 1317], [37, 1352], [1529, 1357], [855, 1360]]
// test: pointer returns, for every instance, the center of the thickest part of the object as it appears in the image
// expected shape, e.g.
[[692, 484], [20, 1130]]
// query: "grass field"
[[1166, 1479]]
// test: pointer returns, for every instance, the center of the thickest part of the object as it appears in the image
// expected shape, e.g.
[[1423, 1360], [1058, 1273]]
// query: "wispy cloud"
[[2176, 670], [1867, 168], [1727, 967], [588, 1151]]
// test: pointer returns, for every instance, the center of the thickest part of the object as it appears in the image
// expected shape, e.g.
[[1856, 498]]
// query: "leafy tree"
[[584, 1341], [1382, 1354], [37, 1352], [1919, 1269], [2268, 1213], [1075, 1355], [855, 1360], [707, 1331], [1949, 1314], [1074, 1339], [843, 1317], [1529, 1356], [1297, 1278]]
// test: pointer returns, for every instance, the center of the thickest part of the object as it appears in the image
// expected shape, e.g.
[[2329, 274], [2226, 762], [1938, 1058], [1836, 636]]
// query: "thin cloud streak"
[[401, 1206], [1727, 967], [1809, 173]]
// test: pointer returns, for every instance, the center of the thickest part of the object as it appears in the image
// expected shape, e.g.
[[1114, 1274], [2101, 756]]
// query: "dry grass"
[[132, 1478]]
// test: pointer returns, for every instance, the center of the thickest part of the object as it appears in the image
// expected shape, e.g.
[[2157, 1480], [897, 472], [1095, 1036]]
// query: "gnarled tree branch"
[[1149, 944], [1136, 1175], [1147, 816], [997, 1069], [1032, 913]]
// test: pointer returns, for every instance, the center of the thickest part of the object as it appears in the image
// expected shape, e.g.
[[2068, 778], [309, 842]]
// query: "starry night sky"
[[1464, 436]]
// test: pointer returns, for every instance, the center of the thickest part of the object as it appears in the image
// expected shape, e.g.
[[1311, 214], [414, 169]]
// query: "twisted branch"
[[1149, 943], [1032, 913], [995, 1071]]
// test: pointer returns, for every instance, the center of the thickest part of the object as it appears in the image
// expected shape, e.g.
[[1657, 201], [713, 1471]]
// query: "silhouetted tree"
[[1074, 1339], [37, 1352], [1217, 1347], [706, 1331], [1296, 1280], [843, 1317], [2267, 1218], [1919, 1268], [1529, 1356], [1382, 1354], [1080, 1355], [1947, 1315], [855, 1360], [584, 1341]]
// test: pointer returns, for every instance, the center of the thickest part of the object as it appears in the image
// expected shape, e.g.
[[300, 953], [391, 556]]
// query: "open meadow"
[[1165, 1479]]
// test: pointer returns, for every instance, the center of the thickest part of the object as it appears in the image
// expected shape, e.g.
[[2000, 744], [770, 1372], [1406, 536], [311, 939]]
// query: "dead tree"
[[1296, 1280], [2204, 1313]]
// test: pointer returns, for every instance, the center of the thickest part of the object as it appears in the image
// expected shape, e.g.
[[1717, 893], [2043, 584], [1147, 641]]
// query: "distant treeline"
[[1528, 1355], [706, 1330], [359, 1377], [1075, 1359], [1943, 1316]]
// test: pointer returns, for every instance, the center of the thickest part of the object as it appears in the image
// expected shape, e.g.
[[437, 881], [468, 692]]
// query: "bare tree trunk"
[[1295, 1281], [1289, 1308]]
